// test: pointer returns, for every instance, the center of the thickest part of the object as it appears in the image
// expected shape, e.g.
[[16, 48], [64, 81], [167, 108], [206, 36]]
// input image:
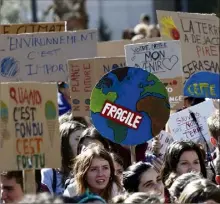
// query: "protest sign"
[[33, 27], [164, 60], [129, 106], [203, 85], [183, 126], [84, 74], [165, 140], [43, 56], [199, 36], [29, 126]]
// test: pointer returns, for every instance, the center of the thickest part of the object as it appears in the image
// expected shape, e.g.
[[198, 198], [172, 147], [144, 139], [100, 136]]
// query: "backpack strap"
[[54, 183]]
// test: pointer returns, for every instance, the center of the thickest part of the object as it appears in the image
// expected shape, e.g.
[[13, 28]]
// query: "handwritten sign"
[[183, 127], [165, 61], [129, 106], [30, 126], [165, 140], [43, 56], [32, 28], [84, 74], [203, 85], [199, 36]]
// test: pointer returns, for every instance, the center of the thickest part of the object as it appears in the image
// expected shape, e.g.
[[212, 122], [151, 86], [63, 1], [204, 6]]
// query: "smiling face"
[[188, 162], [98, 175], [150, 180]]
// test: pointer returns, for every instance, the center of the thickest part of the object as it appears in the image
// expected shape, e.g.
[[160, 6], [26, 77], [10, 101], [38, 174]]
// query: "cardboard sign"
[[164, 60], [43, 56], [84, 74], [183, 127], [29, 126], [129, 106], [165, 140], [116, 47], [203, 85], [32, 27], [199, 36]]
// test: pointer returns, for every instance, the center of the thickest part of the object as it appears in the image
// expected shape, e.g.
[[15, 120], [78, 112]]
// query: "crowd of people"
[[96, 170]]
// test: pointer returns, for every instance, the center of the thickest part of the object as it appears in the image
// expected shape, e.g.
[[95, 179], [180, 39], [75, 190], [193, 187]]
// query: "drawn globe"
[[9, 67]]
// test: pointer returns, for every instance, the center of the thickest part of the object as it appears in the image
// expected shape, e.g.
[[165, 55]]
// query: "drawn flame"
[[169, 28]]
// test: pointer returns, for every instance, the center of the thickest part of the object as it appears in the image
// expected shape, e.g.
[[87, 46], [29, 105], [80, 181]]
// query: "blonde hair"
[[81, 166]]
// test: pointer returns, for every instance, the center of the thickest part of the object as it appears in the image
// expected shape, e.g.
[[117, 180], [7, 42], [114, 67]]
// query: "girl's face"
[[74, 139], [98, 175], [87, 141], [118, 170], [150, 180], [188, 162]]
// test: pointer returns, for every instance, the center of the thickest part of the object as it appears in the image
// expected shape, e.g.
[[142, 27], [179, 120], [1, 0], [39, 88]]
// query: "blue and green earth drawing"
[[138, 91]]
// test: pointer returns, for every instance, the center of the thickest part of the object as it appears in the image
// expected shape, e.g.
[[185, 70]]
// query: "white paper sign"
[[43, 56], [163, 59], [165, 140], [183, 127]]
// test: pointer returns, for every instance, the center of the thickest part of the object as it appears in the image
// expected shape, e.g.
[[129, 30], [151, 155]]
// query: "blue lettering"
[[61, 68], [22, 42], [84, 37], [29, 57], [44, 53], [28, 129], [30, 66]]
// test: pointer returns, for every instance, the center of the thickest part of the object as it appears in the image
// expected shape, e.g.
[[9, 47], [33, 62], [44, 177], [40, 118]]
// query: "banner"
[[29, 126], [199, 36], [84, 74], [183, 126], [129, 106], [43, 56]]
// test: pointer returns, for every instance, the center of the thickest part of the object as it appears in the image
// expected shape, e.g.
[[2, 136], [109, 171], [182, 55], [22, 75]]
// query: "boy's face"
[[11, 191]]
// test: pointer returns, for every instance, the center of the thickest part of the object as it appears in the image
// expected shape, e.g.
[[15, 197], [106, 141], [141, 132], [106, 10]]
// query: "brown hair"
[[17, 175], [200, 191], [81, 166]]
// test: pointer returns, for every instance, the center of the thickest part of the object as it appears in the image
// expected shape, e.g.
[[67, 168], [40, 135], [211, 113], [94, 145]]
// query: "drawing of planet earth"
[[129, 106]]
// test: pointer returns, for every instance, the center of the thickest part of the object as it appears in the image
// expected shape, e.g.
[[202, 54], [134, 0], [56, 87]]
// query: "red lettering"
[[87, 79], [28, 146], [206, 51], [21, 95], [74, 76]]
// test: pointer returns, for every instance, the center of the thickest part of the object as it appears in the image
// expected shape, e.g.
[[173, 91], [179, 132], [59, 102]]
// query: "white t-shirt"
[[47, 179]]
